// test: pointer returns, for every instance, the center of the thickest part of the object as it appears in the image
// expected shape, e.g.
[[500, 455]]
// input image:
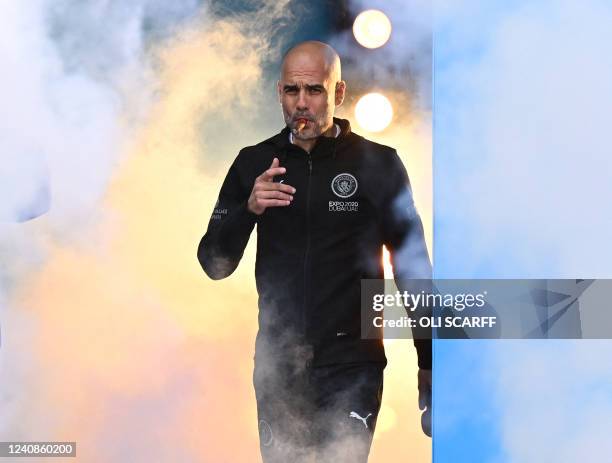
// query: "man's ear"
[[340, 91], [278, 91]]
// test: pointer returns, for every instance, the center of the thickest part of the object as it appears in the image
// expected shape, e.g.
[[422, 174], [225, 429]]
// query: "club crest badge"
[[344, 185]]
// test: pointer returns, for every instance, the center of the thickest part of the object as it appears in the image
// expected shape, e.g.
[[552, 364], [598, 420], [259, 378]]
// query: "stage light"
[[372, 28], [373, 112]]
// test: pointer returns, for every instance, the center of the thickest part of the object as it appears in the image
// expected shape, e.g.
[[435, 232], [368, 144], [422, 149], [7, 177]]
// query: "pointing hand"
[[266, 193]]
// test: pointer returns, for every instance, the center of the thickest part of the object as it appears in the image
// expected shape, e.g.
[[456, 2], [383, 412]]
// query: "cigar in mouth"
[[301, 123]]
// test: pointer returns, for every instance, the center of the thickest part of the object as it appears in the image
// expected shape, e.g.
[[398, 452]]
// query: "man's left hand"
[[424, 385]]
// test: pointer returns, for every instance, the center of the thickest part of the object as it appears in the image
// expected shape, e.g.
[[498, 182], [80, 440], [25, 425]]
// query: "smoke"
[[402, 71], [404, 62], [111, 336], [523, 137], [522, 177], [119, 121], [555, 397]]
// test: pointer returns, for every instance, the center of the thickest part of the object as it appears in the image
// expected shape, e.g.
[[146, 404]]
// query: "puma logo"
[[356, 416]]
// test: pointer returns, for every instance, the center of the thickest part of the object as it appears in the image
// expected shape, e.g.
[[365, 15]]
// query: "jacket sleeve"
[[404, 238], [229, 228]]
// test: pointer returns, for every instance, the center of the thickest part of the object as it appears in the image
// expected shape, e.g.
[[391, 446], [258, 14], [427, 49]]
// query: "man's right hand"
[[425, 386], [266, 193]]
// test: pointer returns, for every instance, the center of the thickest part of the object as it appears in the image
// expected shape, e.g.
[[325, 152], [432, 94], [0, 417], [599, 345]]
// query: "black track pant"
[[318, 414]]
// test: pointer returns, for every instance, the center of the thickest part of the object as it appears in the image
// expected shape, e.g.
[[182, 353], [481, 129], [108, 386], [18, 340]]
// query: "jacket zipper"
[[307, 250]]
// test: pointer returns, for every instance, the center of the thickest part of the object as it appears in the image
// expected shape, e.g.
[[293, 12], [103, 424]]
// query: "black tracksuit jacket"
[[352, 197]]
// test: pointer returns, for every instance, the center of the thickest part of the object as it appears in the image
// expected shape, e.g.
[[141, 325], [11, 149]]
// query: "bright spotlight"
[[372, 28], [373, 112]]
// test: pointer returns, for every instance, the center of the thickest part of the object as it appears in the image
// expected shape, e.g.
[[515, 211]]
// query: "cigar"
[[300, 125]]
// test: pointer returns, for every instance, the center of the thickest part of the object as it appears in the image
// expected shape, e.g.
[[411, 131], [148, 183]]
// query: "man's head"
[[310, 88]]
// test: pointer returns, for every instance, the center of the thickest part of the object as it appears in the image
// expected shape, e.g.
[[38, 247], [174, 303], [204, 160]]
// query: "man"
[[325, 201]]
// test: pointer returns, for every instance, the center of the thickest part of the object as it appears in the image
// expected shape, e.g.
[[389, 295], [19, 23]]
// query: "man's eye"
[[315, 91], [291, 91]]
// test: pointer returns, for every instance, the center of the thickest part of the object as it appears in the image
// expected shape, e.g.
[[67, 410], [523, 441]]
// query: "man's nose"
[[302, 102]]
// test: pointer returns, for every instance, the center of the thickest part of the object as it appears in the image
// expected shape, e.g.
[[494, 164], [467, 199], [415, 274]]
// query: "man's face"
[[308, 93]]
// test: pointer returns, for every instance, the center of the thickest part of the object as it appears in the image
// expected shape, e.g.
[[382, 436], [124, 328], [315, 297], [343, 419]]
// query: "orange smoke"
[[134, 353]]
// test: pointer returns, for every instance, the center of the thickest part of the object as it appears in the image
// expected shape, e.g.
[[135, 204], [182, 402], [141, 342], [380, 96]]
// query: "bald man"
[[325, 201]]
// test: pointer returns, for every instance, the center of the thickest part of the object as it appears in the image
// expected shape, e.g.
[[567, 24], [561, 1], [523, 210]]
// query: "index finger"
[[270, 173]]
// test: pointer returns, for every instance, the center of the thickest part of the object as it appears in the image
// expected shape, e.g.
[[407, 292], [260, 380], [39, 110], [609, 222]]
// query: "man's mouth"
[[300, 123]]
